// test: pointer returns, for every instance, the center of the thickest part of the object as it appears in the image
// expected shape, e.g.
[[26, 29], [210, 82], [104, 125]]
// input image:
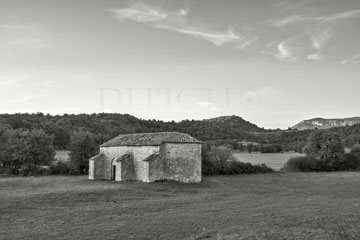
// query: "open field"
[[271, 206], [62, 155], [273, 160]]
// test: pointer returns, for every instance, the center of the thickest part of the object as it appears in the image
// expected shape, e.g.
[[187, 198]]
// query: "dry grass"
[[270, 206]]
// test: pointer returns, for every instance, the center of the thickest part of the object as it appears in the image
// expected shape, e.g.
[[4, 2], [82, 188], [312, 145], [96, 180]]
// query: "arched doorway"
[[115, 170]]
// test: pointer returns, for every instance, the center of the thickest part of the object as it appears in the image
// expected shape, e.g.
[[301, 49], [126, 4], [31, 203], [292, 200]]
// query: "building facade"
[[148, 157]]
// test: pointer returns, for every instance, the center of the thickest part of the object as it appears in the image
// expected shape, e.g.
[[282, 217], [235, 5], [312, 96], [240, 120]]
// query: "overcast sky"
[[272, 62]]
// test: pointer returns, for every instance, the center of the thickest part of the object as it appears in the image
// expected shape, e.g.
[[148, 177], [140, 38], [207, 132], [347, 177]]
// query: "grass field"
[[62, 155], [271, 206]]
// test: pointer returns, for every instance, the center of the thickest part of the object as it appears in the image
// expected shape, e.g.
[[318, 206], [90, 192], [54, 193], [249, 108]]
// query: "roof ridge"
[[150, 133], [150, 139]]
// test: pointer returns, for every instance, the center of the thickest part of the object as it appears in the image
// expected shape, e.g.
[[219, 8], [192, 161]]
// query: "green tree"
[[324, 145], [61, 136], [27, 151], [83, 146], [215, 159], [4, 139]]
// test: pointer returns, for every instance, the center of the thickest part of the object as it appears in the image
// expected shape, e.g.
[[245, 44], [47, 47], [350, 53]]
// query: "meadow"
[[263, 206], [273, 160], [62, 155]]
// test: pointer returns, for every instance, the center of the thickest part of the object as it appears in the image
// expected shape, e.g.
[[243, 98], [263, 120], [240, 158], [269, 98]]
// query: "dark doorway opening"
[[113, 172]]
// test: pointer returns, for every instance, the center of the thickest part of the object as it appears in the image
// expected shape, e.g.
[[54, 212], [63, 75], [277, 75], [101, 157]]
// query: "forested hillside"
[[105, 126]]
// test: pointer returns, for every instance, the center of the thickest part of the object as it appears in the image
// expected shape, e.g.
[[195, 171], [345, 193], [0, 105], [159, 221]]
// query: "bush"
[[348, 162], [219, 161], [356, 150], [214, 160], [236, 167], [302, 164], [351, 162], [59, 168], [270, 148], [2, 170]]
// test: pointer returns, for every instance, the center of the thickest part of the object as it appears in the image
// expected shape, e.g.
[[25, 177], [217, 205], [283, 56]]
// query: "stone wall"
[[139, 153], [182, 162], [91, 170], [102, 168], [175, 161], [127, 168], [156, 168]]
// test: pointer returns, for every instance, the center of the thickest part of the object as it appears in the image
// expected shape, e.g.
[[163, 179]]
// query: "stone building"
[[148, 157]]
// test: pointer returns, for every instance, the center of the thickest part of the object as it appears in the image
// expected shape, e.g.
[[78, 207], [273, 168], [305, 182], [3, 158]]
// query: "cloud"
[[217, 38], [209, 105], [298, 47], [353, 60], [282, 53], [287, 21], [319, 39], [315, 57], [297, 19], [338, 16], [183, 12], [139, 13], [177, 22]]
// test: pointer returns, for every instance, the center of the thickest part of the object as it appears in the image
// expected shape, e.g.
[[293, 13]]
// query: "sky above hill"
[[272, 62]]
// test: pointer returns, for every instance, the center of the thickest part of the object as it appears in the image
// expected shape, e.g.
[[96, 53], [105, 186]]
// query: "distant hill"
[[321, 123], [235, 122]]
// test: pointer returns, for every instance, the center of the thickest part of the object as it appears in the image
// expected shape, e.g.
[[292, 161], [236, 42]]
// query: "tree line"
[[325, 152], [31, 152], [28, 141]]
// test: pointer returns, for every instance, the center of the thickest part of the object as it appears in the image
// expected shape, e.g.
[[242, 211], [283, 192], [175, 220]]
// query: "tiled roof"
[[150, 139], [98, 156], [151, 157]]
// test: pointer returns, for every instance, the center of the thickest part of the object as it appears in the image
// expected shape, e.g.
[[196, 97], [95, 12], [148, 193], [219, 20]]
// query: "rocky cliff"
[[322, 123]]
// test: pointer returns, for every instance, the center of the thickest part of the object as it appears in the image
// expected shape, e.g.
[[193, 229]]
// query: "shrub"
[[219, 161], [348, 162], [302, 164], [214, 160], [236, 167], [356, 150], [59, 168], [351, 161], [270, 148]]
